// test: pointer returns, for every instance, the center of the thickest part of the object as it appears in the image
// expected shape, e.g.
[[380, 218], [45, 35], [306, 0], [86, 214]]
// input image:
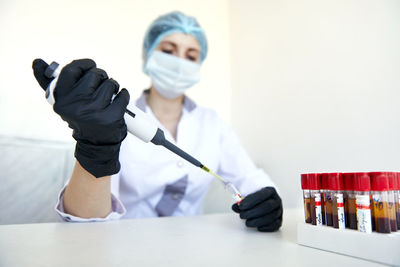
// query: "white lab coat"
[[147, 172]]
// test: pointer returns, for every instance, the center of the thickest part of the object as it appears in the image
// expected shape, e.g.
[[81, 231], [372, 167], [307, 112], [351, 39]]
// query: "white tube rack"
[[377, 247]]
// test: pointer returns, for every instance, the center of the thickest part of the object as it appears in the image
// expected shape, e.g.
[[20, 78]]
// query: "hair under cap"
[[170, 23]]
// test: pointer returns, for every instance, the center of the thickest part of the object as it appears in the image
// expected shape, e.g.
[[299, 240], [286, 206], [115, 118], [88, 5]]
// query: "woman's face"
[[181, 45]]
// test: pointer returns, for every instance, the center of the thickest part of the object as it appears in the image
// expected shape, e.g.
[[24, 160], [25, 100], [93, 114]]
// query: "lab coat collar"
[[188, 103]]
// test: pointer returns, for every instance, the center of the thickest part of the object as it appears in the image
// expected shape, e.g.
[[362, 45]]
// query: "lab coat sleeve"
[[118, 209], [236, 165]]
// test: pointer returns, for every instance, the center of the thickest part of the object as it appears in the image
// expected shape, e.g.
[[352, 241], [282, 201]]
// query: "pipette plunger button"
[[51, 69]]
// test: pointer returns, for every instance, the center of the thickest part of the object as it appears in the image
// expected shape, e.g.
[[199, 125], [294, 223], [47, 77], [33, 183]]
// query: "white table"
[[210, 240]]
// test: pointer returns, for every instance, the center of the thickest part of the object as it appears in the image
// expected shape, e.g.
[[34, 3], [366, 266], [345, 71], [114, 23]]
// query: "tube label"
[[318, 211], [340, 211], [363, 214]]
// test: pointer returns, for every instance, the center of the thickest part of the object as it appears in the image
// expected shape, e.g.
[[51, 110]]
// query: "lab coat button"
[[175, 196], [180, 164]]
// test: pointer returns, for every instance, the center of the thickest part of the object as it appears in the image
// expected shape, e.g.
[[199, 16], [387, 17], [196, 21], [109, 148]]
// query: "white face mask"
[[172, 76]]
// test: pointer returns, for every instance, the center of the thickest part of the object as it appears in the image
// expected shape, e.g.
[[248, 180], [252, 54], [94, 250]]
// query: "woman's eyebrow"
[[168, 43], [194, 50]]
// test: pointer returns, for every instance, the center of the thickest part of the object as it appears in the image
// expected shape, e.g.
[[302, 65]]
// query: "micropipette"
[[143, 127]]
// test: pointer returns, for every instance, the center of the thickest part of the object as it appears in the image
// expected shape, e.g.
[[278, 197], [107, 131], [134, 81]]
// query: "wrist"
[[99, 160]]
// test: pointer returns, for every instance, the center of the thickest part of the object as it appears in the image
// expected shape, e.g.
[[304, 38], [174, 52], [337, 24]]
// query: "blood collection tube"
[[397, 199], [362, 187], [327, 196], [324, 188], [380, 201], [349, 196], [315, 204], [392, 207], [335, 185], [306, 198]]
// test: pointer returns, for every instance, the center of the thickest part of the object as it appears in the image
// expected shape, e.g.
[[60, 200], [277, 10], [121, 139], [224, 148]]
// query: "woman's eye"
[[167, 51], [191, 58]]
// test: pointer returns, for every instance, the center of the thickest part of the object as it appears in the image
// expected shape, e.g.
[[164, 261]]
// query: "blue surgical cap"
[[171, 23]]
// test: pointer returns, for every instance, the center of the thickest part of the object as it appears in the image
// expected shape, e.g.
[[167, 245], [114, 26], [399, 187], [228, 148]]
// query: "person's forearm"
[[87, 196]]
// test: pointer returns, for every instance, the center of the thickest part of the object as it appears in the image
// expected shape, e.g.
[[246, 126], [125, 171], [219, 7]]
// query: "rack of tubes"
[[360, 208], [363, 201]]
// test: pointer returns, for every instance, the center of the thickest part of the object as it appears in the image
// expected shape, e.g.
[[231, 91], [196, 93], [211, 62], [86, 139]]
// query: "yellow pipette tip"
[[205, 168], [211, 172], [236, 195]]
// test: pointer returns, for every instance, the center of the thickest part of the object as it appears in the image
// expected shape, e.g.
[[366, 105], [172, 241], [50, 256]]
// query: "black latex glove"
[[262, 209], [83, 99]]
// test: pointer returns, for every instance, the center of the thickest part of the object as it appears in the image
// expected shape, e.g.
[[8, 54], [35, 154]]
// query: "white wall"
[[316, 86], [111, 33]]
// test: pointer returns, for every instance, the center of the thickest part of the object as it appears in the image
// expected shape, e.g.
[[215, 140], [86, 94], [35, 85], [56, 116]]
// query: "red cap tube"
[[398, 180], [361, 181], [324, 181], [392, 181], [304, 182], [335, 181], [348, 179], [314, 181], [379, 181]]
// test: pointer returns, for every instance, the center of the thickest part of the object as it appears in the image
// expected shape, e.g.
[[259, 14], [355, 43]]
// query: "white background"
[[308, 85]]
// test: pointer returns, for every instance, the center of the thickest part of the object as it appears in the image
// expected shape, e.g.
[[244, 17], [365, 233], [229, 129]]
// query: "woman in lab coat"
[[152, 181]]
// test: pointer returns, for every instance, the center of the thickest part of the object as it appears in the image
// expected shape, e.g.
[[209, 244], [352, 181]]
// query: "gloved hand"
[[83, 99], [262, 209]]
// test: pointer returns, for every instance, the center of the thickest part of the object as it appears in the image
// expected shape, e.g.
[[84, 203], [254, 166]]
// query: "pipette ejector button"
[[51, 69]]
